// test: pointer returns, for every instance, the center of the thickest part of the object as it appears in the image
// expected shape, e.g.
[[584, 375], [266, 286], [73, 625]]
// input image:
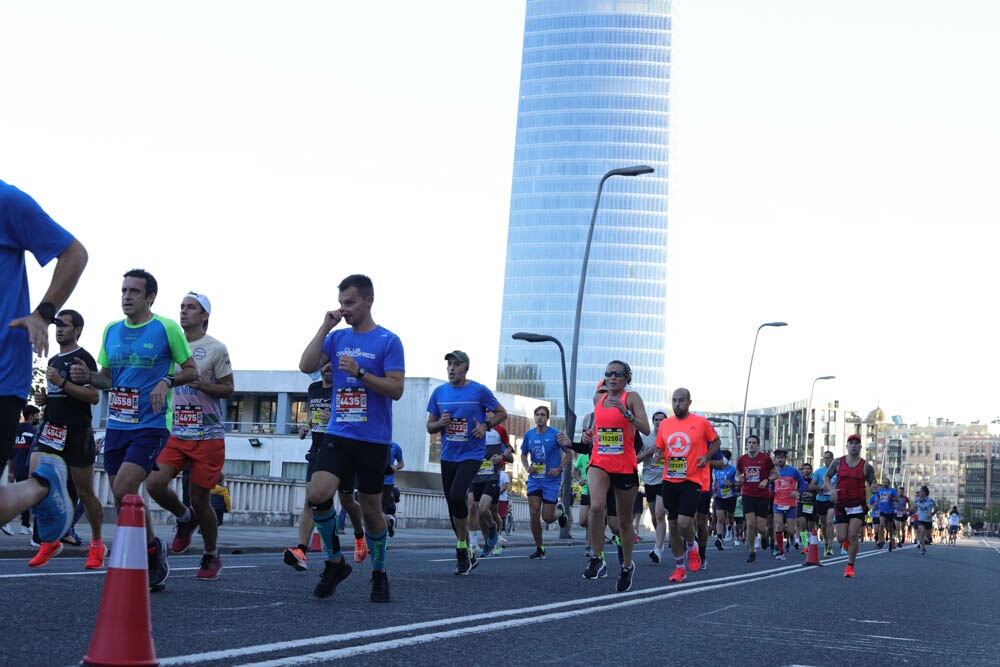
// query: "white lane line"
[[96, 572], [861, 620], [669, 591], [709, 613]]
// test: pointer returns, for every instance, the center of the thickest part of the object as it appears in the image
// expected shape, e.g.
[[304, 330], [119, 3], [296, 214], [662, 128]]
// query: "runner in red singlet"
[[854, 474]]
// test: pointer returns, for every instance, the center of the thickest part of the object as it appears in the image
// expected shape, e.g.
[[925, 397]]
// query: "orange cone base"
[[124, 632], [317, 544]]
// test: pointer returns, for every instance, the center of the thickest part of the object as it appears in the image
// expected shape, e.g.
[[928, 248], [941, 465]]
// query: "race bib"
[[123, 405], [538, 470], [188, 420], [782, 508], [53, 436], [457, 429], [610, 441], [486, 465], [854, 510], [352, 404], [677, 467], [726, 491], [320, 418], [752, 475], [807, 508]]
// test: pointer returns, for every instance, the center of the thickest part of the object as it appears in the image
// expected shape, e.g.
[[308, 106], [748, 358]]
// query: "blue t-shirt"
[[24, 226], [466, 405], [544, 453], [817, 479], [359, 413], [138, 358], [925, 508], [887, 500], [725, 482], [395, 456]]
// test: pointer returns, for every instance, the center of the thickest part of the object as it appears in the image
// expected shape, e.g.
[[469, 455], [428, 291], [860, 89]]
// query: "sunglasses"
[[614, 374]]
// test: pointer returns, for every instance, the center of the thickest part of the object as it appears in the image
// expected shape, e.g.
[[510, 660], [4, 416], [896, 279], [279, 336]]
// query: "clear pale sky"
[[833, 165]]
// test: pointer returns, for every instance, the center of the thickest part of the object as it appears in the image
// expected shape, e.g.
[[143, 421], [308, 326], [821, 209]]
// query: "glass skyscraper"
[[594, 96]]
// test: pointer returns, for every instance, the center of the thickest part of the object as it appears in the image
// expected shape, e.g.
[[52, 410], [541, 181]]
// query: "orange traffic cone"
[[317, 543], [812, 558], [124, 631]]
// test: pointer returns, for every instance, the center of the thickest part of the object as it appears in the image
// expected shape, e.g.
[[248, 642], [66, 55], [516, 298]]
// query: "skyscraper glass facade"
[[594, 96]]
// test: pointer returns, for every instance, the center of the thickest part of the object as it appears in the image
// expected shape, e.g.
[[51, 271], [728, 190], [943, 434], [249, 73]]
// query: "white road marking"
[[515, 617], [861, 620], [96, 572]]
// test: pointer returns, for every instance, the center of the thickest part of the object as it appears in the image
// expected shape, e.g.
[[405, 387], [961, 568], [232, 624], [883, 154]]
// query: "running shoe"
[[539, 554], [184, 531], [159, 569], [473, 560], [390, 524], [95, 556], [694, 560], [849, 571], [635, 538], [562, 514], [779, 557], [654, 556], [845, 546], [54, 513], [45, 553], [464, 565], [679, 575], [498, 549], [625, 579], [6, 529], [333, 574], [26, 530], [485, 552], [752, 557], [360, 549], [596, 569], [718, 543], [296, 558], [380, 586], [829, 552], [210, 568], [71, 538]]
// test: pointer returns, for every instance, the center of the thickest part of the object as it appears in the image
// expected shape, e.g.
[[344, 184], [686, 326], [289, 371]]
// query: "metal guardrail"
[[278, 502]]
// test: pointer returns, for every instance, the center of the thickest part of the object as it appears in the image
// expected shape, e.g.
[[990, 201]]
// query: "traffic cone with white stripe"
[[124, 631], [812, 558], [317, 543]]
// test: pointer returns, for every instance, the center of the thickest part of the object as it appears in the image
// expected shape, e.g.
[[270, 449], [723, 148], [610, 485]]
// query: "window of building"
[[293, 470], [299, 413], [238, 417], [253, 468], [266, 414]]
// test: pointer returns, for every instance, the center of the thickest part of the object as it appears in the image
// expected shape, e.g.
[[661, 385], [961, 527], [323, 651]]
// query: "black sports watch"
[[47, 311], [629, 415], [361, 373]]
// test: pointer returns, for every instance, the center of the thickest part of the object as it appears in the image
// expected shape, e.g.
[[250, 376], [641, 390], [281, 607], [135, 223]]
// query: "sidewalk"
[[253, 539]]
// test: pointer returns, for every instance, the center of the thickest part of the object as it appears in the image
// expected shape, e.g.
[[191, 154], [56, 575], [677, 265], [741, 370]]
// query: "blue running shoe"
[[55, 511]]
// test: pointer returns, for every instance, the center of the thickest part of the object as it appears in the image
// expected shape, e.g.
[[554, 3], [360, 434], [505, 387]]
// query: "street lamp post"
[[567, 481], [624, 171], [746, 395], [809, 406]]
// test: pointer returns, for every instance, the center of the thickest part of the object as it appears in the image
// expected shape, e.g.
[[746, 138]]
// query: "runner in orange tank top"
[[617, 416]]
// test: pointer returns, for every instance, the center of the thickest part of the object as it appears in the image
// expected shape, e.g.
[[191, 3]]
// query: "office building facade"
[[594, 96]]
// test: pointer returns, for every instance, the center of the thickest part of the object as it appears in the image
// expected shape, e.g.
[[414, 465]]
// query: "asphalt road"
[[902, 608]]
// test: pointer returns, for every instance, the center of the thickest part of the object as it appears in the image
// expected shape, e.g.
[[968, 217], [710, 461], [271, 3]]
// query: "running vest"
[[850, 483], [614, 440]]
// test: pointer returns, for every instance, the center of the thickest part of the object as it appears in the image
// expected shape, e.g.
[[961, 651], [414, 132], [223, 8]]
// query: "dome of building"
[[877, 416]]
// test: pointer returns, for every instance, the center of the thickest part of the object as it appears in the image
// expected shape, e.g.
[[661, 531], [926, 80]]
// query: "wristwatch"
[[629, 415], [47, 311], [361, 373]]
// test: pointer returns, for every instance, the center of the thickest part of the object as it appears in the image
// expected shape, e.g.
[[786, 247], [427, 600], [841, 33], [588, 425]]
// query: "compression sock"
[[376, 548], [326, 526]]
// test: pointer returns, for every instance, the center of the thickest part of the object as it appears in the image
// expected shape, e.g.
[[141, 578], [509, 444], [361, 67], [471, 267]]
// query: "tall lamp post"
[[809, 408], [567, 481], [624, 171], [746, 395]]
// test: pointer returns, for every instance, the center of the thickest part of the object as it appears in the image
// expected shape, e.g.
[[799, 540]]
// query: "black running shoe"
[[380, 586], [464, 565], [159, 569], [718, 543], [625, 579], [333, 574], [539, 554], [752, 557]]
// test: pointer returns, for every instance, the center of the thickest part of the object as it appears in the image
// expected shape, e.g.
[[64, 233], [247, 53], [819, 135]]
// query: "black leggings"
[[456, 479]]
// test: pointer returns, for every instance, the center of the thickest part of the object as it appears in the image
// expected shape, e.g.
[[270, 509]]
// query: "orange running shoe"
[[849, 571], [45, 553], [360, 549], [694, 560], [679, 575], [95, 556]]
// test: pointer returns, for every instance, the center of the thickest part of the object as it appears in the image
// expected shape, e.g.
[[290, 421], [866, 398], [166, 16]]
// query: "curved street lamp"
[[623, 171], [570, 416], [746, 394], [808, 419]]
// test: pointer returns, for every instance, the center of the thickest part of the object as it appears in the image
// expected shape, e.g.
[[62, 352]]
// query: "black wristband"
[[47, 311]]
